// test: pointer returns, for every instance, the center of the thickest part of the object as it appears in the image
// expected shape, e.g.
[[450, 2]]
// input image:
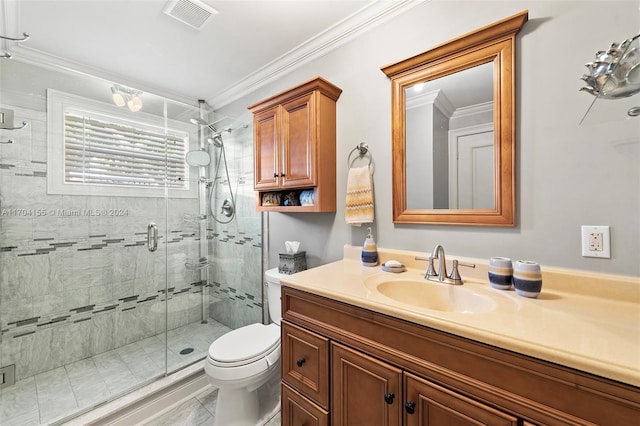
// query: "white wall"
[[567, 175]]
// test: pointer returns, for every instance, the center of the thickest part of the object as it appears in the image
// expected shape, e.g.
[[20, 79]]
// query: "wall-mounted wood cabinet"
[[294, 137], [344, 365]]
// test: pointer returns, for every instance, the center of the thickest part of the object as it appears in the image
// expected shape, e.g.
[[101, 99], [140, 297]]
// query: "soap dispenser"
[[369, 251]]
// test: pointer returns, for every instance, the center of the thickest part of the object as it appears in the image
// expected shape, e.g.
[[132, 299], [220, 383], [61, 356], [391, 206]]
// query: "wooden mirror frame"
[[493, 43]]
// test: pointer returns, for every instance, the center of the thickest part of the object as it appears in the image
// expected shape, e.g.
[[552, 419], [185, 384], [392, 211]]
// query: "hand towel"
[[359, 205]]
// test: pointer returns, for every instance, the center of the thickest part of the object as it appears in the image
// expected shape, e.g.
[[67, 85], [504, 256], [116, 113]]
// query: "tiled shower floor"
[[55, 394]]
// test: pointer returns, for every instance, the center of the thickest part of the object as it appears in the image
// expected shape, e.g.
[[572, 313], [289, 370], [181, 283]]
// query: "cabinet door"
[[266, 129], [365, 391], [299, 142], [305, 362], [427, 404], [297, 410]]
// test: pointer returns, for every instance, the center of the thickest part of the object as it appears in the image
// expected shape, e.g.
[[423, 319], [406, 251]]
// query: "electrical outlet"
[[596, 241]]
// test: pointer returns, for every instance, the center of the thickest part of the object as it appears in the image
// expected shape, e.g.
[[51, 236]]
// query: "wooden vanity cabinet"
[[364, 390], [297, 410], [429, 404], [373, 369], [295, 144]]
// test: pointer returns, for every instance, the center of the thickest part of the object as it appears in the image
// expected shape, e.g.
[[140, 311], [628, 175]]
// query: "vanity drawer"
[[297, 410], [305, 363]]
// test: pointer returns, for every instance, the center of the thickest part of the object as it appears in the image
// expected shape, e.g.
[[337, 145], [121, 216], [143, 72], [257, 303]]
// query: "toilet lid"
[[245, 343]]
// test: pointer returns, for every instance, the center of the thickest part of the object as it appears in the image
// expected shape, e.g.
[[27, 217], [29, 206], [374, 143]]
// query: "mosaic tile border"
[[46, 245], [31, 168], [28, 326]]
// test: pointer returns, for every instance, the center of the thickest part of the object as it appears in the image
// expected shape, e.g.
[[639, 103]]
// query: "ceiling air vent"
[[194, 13]]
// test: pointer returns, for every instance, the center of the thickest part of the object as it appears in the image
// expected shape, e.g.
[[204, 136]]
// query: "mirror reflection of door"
[[439, 173], [471, 169]]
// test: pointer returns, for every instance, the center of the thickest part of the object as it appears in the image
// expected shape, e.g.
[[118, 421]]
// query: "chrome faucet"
[[441, 274], [438, 253]]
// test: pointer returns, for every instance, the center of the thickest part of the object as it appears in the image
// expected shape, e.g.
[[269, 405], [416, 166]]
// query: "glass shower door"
[[82, 298]]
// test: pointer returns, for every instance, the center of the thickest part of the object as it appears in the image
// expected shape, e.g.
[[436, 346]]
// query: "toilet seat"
[[245, 345]]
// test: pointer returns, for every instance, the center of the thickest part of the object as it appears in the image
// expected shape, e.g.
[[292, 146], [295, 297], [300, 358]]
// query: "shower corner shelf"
[[195, 218], [196, 265]]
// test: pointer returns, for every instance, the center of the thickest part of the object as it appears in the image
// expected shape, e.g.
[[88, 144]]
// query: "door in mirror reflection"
[[450, 141]]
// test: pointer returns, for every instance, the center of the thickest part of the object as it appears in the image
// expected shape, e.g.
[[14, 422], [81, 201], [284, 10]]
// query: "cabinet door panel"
[[365, 391], [265, 133], [296, 410], [305, 363], [438, 406], [299, 141]]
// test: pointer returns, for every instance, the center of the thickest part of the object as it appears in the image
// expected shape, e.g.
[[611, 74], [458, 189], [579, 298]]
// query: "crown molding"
[[371, 15]]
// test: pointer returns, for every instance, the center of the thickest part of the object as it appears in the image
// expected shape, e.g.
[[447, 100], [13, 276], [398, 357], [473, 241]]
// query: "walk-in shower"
[[87, 312]]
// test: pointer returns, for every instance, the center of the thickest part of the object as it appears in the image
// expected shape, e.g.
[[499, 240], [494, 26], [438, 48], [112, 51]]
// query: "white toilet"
[[242, 360]]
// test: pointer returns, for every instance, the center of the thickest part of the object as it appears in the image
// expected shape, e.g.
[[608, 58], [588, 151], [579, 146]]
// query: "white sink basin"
[[430, 295]]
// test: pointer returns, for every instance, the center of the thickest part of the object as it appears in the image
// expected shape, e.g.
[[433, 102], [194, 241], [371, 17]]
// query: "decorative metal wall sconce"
[[616, 72]]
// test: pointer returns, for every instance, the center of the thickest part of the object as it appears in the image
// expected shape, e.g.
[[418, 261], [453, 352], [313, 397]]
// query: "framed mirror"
[[453, 130]]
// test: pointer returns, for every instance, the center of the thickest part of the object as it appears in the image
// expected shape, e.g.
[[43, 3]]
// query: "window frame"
[[58, 103]]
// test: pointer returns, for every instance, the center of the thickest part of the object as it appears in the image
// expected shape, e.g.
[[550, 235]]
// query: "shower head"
[[200, 122]]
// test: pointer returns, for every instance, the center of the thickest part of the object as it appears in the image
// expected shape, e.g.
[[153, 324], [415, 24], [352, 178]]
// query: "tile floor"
[[53, 395], [197, 411]]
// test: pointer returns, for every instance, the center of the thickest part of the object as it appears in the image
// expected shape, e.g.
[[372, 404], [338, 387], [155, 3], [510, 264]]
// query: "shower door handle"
[[152, 237]]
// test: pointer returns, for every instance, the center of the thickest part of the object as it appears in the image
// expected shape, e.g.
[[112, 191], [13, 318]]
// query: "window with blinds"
[[100, 150]]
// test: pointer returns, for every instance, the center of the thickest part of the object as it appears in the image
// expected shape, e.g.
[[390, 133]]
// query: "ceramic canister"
[[527, 278], [500, 272]]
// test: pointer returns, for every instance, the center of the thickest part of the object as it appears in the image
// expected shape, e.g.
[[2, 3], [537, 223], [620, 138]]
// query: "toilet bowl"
[[242, 360]]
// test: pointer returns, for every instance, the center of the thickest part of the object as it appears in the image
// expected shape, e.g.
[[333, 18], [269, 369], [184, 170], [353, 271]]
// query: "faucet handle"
[[431, 270], [455, 275]]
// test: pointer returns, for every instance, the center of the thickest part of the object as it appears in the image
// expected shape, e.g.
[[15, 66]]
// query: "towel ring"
[[363, 149]]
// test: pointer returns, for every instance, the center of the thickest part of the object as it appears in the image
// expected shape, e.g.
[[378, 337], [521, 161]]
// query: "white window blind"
[[100, 150]]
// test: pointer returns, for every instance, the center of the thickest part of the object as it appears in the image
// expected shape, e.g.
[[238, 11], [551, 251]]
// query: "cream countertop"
[[587, 321]]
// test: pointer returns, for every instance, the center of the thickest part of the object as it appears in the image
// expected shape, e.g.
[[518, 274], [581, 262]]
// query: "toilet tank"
[[272, 277]]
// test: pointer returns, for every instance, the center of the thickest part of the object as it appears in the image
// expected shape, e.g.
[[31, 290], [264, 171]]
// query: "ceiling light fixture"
[[125, 96], [118, 98]]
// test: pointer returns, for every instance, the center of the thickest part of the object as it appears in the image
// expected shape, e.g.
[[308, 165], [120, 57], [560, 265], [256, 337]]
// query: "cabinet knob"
[[300, 362], [388, 398], [281, 174], [410, 407], [275, 175]]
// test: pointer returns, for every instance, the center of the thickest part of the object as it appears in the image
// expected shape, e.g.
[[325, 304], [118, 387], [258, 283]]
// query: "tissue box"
[[290, 263]]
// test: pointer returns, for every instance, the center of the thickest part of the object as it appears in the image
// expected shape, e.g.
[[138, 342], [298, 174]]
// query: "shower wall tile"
[[25, 276], [233, 312], [100, 294], [82, 269], [13, 229], [47, 304], [136, 323], [15, 310], [86, 338], [76, 298], [34, 353]]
